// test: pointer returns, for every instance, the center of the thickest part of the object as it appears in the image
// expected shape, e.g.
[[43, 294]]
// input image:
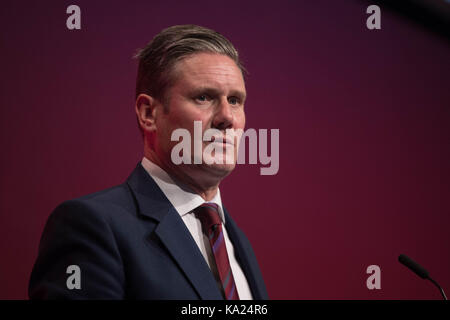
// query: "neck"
[[206, 188]]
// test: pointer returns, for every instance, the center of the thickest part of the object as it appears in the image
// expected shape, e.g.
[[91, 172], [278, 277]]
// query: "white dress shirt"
[[185, 202]]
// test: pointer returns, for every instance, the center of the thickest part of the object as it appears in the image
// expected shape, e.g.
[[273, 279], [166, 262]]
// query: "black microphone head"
[[414, 266]]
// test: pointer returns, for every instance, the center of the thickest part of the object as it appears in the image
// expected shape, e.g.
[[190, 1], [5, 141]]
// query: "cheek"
[[240, 120], [185, 117], [198, 115]]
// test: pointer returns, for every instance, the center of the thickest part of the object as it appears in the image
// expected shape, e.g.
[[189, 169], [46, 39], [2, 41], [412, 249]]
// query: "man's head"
[[189, 73]]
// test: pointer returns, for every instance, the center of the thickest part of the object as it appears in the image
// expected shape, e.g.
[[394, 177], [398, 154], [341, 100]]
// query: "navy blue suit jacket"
[[130, 243]]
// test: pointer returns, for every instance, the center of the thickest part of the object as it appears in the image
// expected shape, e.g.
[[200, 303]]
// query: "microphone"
[[420, 271]]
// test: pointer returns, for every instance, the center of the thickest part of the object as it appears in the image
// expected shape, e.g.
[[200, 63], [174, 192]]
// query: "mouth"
[[222, 140]]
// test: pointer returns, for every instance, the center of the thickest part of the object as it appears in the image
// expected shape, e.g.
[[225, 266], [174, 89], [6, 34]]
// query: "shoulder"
[[79, 232], [105, 204], [96, 215]]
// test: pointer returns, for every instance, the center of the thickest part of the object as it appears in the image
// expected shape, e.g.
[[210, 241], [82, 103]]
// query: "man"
[[164, 233]]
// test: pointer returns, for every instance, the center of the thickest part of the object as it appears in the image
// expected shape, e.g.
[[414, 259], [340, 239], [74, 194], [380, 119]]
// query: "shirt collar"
[[183, 199]]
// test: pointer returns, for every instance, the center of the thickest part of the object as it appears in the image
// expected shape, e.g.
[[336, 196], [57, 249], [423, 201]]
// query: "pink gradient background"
[[364, 135]]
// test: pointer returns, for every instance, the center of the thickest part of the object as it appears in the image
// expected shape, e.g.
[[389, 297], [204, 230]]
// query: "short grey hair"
[[158, 58]]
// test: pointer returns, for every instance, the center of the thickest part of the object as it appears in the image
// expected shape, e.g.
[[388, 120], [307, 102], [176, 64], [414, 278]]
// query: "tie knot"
[[208, 214]]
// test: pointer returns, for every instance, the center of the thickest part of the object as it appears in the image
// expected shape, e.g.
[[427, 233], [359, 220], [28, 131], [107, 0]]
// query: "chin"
[[222, 169]]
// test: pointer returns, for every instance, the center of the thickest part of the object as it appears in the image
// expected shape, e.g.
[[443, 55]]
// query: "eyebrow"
[[213, 91]]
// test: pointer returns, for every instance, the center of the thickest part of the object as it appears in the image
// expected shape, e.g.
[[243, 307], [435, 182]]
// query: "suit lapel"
[[177, 239], [173, 233], [246, 258]]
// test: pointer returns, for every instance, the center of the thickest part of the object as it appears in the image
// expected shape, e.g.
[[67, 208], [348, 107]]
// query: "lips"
[[222, 140]]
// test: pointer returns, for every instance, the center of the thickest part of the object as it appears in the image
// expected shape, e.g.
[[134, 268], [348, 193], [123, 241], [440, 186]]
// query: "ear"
[[145, 111]]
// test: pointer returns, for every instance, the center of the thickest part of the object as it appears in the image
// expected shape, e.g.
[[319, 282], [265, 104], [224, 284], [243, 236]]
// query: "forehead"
[[209, 69]]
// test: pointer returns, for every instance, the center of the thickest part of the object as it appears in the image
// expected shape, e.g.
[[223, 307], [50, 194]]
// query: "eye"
[[233, 100], [203, 98]]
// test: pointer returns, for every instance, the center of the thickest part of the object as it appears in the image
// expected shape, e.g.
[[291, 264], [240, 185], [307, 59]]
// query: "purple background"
[[364, 135]]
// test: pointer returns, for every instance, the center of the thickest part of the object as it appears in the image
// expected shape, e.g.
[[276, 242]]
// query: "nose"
[[223, 117]]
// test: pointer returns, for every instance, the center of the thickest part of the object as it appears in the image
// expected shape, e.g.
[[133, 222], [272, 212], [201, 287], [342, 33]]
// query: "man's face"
[[207, 88]]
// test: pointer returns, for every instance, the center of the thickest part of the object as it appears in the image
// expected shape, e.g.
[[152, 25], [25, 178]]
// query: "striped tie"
[[208, 214]]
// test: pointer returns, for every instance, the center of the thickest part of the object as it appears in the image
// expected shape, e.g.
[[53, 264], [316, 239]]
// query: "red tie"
[[208, 214]]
